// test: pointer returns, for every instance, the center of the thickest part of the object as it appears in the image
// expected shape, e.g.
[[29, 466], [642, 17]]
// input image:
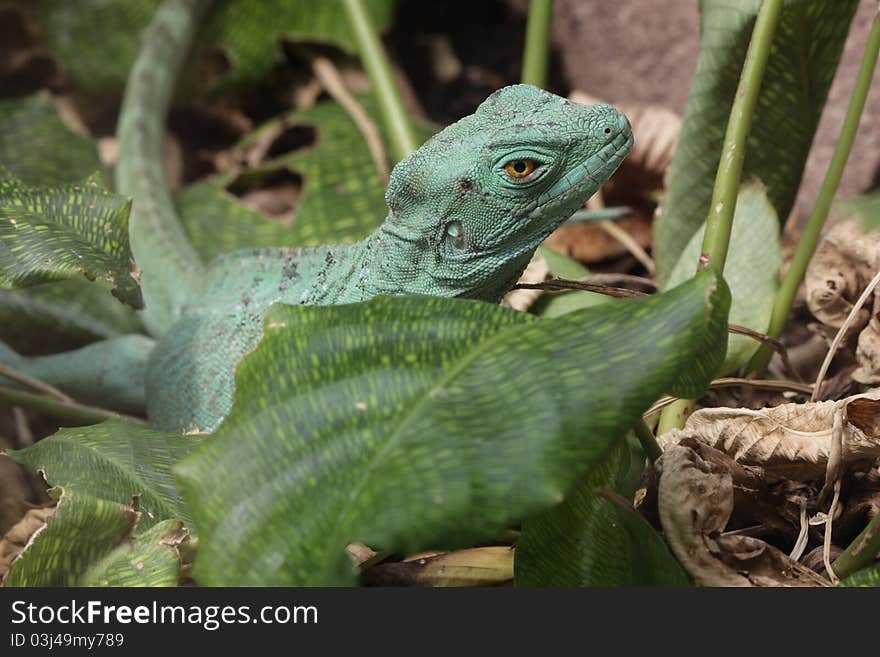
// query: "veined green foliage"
[[752, 270], [869, 577], [806, 49], [97, 40], [342, 197], [409, 423], [82, 530], [119, 518], [38, 149], [53, 233], [149, 559], [116, 460], [587, 540]]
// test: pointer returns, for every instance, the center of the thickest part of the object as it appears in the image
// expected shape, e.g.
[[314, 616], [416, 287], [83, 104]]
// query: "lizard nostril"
[[607, 130]]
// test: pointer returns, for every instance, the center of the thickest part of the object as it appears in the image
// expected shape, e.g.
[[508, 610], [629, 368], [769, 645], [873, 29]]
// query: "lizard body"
[[466, 212]]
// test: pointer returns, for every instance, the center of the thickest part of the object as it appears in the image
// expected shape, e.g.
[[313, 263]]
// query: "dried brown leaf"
[[794, 441], [16, 539], [695, 501], [845, 262]]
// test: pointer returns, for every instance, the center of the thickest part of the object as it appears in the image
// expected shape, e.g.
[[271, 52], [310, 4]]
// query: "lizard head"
[[469, 208]]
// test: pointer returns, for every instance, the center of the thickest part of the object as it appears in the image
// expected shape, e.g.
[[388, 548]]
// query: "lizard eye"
[[455, 236], [520, 168]]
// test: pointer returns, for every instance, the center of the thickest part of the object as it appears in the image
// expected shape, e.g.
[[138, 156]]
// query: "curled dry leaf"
[[482, 566], [695, 501], [17, 538], [794, 441], [845, 262]]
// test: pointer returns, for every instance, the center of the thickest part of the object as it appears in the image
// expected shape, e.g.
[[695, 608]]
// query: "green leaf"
[[250, 32], [53, 233], [82, 530], [752, 270], [867, 206], [149, 559], [866, 577], [38, 149], [98, 40], [114, 461], [62, 315], [414, 422], [806, 49], [587, 540], [342, 197]]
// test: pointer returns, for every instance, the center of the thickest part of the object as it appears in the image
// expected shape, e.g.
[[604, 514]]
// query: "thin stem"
[[810, 237], [400, 132], [71, 411], [720, 219], [861, 552], [537, 50], [675, 414], [648, 440], [34, 384], [733, 151]]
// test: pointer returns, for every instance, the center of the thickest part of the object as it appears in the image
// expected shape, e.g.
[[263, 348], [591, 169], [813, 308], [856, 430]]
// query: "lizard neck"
[[395, 263]]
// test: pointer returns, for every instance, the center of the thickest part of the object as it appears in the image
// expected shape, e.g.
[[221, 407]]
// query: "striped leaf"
[[54, 233], [151, 558], [587, 540], [806, 49], [408, 423]]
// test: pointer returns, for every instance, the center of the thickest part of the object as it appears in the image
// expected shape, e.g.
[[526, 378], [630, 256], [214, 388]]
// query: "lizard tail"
[[170, 267]]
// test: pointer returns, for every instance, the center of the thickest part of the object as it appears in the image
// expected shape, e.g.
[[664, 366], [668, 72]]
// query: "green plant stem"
[[861, 552], [720, 219], [402, 137], [810, 237], [71, 411], [648, 440], [537, 48]]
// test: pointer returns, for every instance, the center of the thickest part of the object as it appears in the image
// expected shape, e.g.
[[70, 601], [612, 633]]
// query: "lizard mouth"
[[592, 173]]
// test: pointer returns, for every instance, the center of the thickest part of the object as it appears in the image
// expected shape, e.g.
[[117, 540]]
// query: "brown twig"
[[35, 384], [69, 410], [773, 343], [732, 381], [560, 284], [332, 81]]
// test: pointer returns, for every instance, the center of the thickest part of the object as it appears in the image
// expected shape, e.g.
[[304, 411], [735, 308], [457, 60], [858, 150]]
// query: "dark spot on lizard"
[[245, 300], [466, 184], [329, 258], [289, 270]]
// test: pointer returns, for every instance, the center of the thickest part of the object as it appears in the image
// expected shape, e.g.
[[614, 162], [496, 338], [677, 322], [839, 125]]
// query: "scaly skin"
[[462, 222]]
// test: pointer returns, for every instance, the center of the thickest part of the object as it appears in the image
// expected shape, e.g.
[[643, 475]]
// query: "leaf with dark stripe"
[[53, 233], [409, 423], [588, 540], [806, 49]]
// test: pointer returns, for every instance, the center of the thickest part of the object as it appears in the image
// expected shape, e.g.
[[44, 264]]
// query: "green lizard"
[[466, 211]]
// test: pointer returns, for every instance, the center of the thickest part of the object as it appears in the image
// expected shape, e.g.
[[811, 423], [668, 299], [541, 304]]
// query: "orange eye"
[[519, 168]]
